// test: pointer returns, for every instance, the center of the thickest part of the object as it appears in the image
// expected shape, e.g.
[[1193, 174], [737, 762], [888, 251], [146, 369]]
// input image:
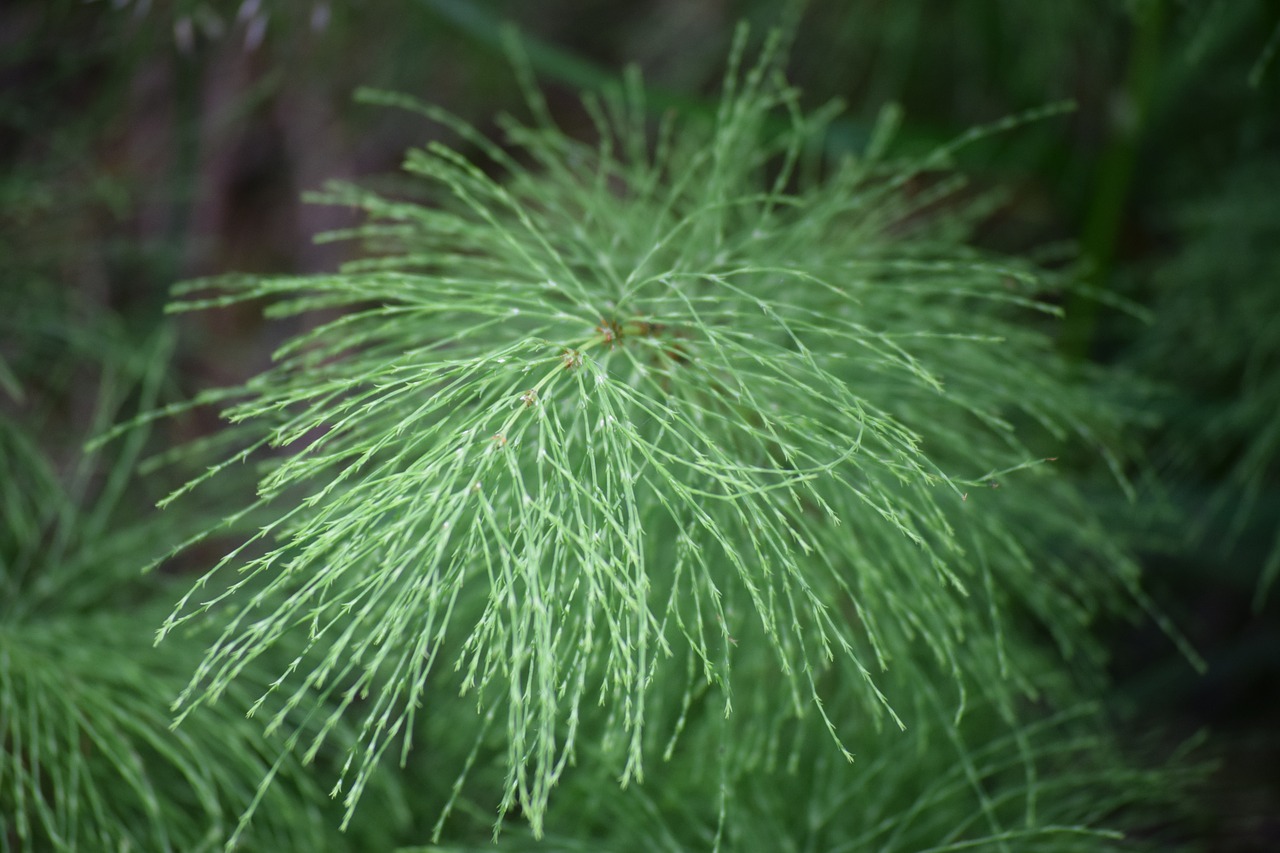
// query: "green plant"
[[88, 757], [1223, 423], [590, 440], [1056, 783]]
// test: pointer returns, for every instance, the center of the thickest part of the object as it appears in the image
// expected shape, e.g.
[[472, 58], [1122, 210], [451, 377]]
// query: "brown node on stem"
[[571, 359], [609, 332], [614, 332]]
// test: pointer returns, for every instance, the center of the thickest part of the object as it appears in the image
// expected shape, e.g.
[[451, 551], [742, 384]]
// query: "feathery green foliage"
[[1052, 781], [88, 759], [609, 413], [1224, 352]]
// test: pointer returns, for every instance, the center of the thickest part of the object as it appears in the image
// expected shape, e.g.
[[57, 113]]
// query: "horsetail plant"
[[88, 760], [605, 419], [1055, 781]]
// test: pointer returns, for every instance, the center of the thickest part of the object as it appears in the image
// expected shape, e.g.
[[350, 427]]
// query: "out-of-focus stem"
[[1115, 176]]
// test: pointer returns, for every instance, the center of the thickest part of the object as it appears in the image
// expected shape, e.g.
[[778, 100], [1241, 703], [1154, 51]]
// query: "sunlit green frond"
[[607, 407]]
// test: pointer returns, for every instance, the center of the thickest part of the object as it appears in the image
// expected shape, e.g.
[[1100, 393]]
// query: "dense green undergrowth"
[[707, 485]]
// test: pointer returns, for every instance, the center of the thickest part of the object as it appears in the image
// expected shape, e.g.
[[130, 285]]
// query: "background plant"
[[90, 760]]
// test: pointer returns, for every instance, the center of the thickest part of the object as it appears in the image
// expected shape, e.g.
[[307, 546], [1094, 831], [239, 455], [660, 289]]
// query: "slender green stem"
[[1105, 217]]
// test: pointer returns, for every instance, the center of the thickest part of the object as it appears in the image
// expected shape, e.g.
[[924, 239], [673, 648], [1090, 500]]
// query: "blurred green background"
[[143, 143]]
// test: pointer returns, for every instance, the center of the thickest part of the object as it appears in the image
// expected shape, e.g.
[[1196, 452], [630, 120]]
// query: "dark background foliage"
[[142, 143]]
